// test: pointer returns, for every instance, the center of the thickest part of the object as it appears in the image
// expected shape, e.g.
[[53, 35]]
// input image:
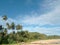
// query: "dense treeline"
[[53, 37], [24, 36], [20, 36]]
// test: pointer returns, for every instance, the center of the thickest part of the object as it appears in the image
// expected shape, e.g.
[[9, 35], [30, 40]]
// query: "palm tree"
[[8, 26], [12, 25], [4, 17], [18, 27]]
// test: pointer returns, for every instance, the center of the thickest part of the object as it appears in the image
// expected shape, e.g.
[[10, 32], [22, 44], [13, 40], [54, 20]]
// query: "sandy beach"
[[44, 42]]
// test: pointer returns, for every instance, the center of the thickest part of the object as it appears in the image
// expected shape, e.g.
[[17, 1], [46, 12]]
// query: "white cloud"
[[52, 17]]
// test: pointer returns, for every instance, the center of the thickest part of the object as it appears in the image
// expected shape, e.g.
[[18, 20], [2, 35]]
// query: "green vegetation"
[[53, 37], [20, 36]]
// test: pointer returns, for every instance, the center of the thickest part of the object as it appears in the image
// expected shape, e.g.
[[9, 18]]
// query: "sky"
[[41, 16]]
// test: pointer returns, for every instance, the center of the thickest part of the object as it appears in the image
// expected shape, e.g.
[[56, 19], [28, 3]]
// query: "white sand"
[[44, 42]]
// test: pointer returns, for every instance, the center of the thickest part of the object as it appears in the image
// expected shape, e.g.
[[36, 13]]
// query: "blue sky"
[[34, 15]]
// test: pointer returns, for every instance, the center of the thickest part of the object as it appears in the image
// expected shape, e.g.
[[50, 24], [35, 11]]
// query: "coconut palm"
[[18, 27], [12, 25], [8, 26], [4, 17]]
